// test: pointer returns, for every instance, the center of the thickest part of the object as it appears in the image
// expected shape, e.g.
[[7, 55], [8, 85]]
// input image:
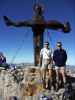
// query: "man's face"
[[46, 45], [58, 46]]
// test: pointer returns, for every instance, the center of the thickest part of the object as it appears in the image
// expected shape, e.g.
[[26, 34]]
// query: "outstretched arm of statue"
[[53, 24], [9, 22]]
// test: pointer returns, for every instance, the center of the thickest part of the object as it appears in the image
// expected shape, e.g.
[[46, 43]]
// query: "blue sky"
[[13, 39]]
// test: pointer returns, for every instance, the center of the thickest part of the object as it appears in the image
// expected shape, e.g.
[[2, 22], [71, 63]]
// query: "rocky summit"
[[26, 84]]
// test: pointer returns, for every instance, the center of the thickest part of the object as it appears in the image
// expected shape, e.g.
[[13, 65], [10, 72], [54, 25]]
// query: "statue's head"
[[38, 8]]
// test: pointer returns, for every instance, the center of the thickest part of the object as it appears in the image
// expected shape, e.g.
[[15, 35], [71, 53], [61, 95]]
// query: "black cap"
[[59, 44]]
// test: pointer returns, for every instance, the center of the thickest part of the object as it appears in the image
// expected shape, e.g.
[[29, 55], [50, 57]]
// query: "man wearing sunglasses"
[[60, 58], [46, 63]]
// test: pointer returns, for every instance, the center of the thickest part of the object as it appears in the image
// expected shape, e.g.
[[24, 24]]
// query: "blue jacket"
[[60, 57]]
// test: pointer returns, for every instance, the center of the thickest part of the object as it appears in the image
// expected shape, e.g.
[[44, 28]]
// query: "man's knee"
[[62, 70]]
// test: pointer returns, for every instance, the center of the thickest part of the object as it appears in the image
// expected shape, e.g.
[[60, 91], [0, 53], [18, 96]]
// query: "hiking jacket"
[[60, 57]]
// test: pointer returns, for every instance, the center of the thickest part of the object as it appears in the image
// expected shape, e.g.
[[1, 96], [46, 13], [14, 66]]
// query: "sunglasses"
[[58, 45]]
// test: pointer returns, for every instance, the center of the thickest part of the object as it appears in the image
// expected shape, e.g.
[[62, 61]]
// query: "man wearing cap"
[[60, 58], [46, 59]]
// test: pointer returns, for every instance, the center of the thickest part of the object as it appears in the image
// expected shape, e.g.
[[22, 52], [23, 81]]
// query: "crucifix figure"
[[38, 25]]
